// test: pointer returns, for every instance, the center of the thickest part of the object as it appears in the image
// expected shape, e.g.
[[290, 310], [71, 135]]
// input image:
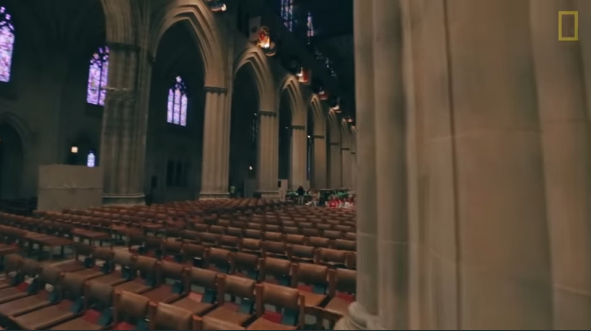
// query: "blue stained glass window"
[[177, 103], [6, 44], [287, 13], [310, 27], [98, 75]]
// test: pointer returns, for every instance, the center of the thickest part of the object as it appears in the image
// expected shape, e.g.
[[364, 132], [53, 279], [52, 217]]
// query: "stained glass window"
[[98, 74], [91, 160], [177, 103], [310, 27], [287, 13], [6, 44]]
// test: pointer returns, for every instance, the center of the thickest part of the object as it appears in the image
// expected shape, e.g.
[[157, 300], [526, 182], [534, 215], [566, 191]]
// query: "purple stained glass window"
[[98, 75], [6, 44], [177, 103]]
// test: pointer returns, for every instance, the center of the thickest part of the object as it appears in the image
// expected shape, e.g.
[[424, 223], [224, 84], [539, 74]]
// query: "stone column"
[[319, 161], [353, 157], [335, 165], [565, 138], [346, 167], [366, 307], [216, 145], [123, 144], [503, 253], [298, 156], [390, 135], [267, 166]]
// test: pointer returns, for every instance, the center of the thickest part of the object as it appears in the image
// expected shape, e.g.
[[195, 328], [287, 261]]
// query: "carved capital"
[[298, 127], [267, 113], [124, 94], [123, 47], [318, 136], [213, 89]]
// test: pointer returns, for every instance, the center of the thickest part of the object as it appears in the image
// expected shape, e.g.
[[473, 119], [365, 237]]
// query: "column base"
[[213, 195], [268, 194], [124, 200], [356, 319]]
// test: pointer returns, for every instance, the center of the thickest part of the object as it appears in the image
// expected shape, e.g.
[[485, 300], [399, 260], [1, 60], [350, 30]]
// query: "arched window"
[[98, 74], [287, 14], [177, 103], [6, 45], [310, 28], [91, 160]]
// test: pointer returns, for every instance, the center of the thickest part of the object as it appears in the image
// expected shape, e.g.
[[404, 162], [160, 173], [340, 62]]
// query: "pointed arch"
[[254, 57], [319, 117], [298, 110], [121, 17], [202, 25], [19, 126]]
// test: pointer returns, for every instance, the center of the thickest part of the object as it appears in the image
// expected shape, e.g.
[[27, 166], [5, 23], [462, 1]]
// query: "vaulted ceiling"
[[333, 27]]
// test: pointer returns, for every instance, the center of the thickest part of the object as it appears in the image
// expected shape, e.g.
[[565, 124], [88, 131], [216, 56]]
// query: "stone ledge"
[[124, 200]]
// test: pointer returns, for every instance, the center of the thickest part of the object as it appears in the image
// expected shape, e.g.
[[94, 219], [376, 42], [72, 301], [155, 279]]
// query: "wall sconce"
[[74, 149], [309, 137], [323, 95], [349, 120], [217, 6], [250, 168], [264, 41], [303, 75]]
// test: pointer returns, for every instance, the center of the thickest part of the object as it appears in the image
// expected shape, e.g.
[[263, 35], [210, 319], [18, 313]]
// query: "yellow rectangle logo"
[[568, 25]]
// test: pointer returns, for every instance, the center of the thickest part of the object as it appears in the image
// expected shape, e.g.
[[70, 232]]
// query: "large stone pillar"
[[267, 167], [335, 165], [503, 253], [565, 137], [216, 144], [319, 161], [297, 174], [346, 167], [123, 137], [366, 307], [390, 140]]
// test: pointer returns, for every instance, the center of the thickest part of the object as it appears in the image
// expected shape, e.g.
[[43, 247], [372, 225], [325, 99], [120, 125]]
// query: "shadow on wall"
[[11, 162]]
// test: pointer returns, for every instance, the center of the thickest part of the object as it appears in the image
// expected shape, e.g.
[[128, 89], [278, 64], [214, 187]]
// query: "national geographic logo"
[[568, 25]]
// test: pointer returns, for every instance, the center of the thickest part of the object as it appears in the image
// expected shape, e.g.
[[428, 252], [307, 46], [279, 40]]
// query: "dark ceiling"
[[332, 41], [333, 37]]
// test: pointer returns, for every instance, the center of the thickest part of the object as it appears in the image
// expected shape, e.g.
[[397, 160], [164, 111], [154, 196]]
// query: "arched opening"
[[310, 148], [285, 135], [328, 158], [11, 162], [244, 130], [176, 117]]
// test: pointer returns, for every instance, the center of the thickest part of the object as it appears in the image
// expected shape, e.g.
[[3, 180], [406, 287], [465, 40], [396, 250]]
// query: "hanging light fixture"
[[217, 5], [74, 149], [264, 41]]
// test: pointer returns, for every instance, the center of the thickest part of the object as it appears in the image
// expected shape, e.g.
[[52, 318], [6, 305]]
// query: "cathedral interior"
[[295, 164]]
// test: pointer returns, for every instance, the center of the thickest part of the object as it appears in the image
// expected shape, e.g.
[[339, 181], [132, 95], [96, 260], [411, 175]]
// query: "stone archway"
[[285, 139], [11, 162], [244, 133]]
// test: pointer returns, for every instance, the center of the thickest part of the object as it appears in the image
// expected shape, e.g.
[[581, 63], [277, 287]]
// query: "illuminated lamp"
[[74, 149], [264, 41], [303, 75], [349, 120], [323, 95], [217, 6]]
